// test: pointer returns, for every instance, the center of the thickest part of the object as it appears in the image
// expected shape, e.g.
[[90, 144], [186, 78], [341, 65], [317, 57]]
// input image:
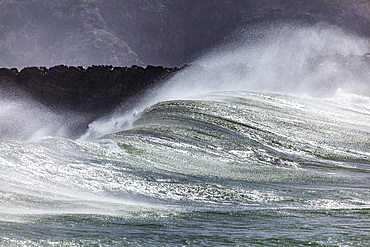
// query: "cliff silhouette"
[[94, 90]]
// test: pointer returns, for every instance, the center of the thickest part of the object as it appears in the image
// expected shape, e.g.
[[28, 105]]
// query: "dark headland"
[[94, 90]]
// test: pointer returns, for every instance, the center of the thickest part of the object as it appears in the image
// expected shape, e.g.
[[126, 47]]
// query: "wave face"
[[228, 165]]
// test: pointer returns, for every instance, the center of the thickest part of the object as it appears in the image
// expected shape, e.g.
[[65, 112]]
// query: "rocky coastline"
[[93, 90]]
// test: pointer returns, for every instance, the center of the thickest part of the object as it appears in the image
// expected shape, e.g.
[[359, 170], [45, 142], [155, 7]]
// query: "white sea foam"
[[342, 95]]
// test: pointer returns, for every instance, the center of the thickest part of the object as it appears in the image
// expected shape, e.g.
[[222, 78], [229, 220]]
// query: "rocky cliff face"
[[160, 32], [94, 90], [54, 32], [173, 32]]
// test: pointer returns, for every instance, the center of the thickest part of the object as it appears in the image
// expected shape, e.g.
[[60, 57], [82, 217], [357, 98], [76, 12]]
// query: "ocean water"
[[253, 145]]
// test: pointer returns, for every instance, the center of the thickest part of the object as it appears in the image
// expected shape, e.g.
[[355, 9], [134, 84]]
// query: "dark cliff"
[[94, 90]]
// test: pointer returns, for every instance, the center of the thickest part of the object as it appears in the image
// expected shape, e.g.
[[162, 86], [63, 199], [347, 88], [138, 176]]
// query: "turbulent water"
[[209, 159]]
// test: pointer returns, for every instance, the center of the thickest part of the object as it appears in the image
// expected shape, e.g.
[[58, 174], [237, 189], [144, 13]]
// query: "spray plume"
[[314, 61]]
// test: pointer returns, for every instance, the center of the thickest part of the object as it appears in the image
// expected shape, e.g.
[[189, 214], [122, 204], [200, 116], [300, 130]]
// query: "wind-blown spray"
[[25, 119], [313, 61]]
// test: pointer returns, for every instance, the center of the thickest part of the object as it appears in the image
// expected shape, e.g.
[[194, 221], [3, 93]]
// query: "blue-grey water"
[[214, 164]]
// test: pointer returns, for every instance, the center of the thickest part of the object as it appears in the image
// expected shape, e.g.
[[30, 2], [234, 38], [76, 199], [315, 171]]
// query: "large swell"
[[229, 163], [231, 151]]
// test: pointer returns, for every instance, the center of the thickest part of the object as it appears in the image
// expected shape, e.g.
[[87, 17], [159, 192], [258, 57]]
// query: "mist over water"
[[27, 120], [307, 61]]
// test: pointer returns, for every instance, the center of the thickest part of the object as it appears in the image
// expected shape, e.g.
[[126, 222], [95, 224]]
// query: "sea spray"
[[26, 120], [312, 61]]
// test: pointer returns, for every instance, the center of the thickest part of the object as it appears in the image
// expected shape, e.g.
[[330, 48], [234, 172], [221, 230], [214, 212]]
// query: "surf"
[[275, 124]]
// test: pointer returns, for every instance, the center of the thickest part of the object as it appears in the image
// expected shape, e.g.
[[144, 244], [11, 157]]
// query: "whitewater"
[[262, 141]]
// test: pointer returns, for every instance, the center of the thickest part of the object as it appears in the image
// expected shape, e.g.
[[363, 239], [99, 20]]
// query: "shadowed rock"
[[95, 90]]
